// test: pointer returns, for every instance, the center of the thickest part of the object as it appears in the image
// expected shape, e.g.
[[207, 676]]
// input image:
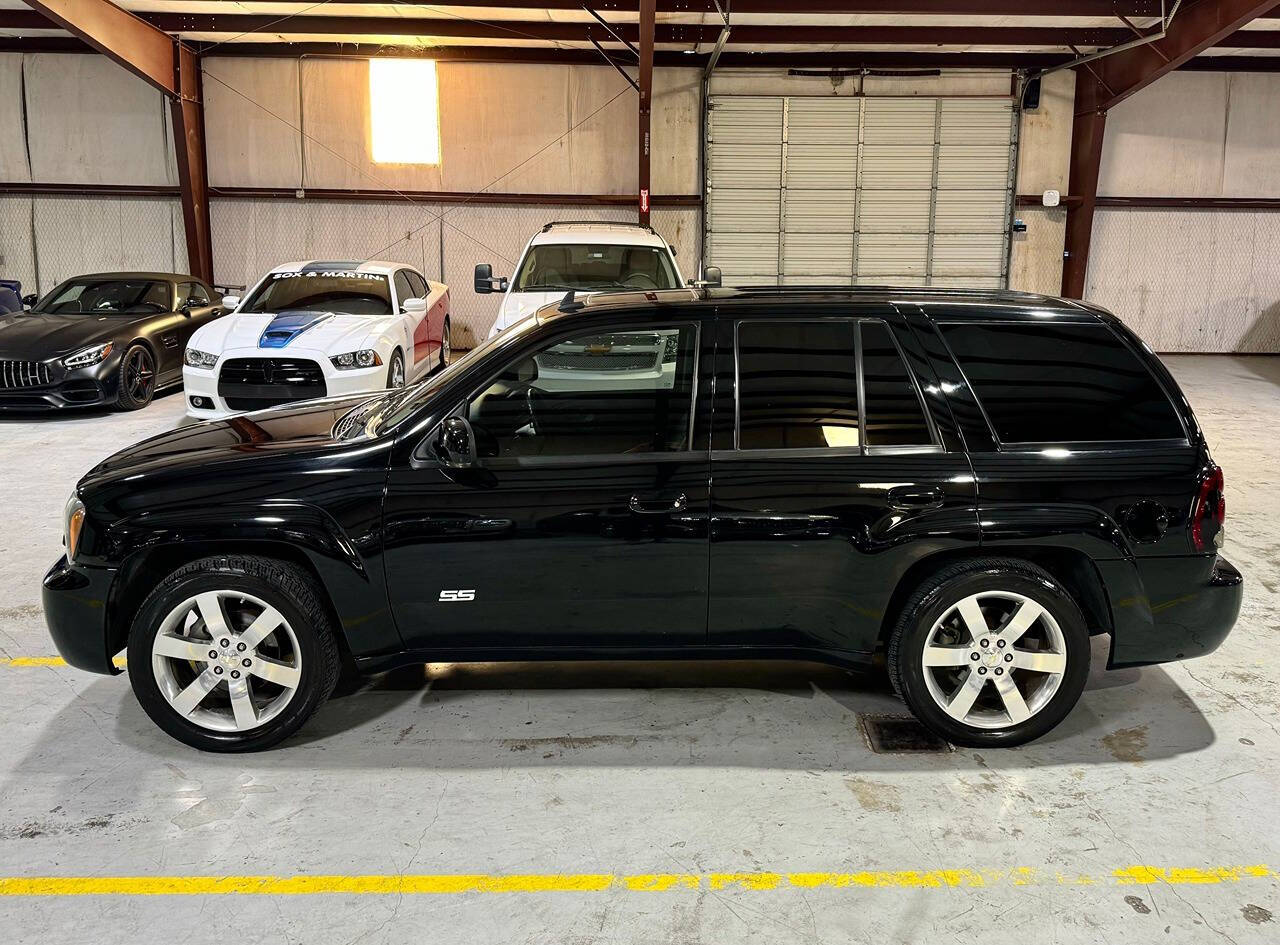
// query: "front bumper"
[[1177, 608], [93, 386], [75, 610], [203, 383]]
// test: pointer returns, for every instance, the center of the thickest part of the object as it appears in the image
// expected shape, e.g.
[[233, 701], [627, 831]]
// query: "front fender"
[[155, 543]]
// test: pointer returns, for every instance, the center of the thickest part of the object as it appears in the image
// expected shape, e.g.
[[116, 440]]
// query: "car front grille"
[[554, 360], [15, 375], [256, 383]]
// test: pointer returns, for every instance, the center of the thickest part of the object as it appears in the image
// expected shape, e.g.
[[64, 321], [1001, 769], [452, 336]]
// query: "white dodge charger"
[[317, 329]]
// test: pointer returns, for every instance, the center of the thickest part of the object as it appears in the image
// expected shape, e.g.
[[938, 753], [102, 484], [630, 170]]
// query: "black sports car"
[[110, 338]]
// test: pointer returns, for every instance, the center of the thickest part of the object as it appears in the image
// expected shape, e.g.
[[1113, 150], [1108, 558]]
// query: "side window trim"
[[1039, 446], [933, 447], [512, 462], [862, 449]]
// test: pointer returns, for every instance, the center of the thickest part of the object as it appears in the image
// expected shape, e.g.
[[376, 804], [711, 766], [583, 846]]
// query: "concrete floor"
[[717, 777]]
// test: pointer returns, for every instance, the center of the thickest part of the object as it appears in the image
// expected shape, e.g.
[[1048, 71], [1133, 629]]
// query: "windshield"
[[594, 266], [107, 297], [392, 408], [352, 293]]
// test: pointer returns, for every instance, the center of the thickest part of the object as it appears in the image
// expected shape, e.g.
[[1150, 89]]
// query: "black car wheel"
[[395, 373], [137, 378], [990, 653], [446, 347], [233, 653]]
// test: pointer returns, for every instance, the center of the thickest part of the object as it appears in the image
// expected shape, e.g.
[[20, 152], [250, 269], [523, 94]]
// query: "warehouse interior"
[[1119, 152]]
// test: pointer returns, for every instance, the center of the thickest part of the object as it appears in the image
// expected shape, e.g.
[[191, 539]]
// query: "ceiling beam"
[[1130, 8], [908, 59], [668, 33], [1197, 27], [172, 68]]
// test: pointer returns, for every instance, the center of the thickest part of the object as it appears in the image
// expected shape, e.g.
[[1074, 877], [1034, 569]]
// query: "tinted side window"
[[403, 289], [417, 284], [1061, 383], [797, 385], [626, 391], [895, 416]]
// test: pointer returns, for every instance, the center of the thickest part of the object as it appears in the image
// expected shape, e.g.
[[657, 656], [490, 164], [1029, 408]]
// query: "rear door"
[[832, 474]]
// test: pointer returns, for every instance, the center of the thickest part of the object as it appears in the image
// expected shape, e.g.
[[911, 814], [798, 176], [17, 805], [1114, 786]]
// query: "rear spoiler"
[[227, 289]]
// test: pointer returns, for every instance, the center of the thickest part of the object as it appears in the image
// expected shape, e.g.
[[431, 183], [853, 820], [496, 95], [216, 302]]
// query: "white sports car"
[[317, 329]]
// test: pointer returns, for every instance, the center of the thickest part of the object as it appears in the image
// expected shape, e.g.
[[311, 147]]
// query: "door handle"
[[667, 507], [915, 498]]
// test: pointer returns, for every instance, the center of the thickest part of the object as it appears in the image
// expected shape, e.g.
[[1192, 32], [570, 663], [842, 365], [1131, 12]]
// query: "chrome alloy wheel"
[[997, 637], [226, 661], [397, 373], [446, 348]]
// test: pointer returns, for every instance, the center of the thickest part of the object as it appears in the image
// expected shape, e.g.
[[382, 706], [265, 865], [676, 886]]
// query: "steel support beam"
[[173, 69], [1082, 185], [1106, 82], [647, 17], [1130, 8], [626, 34]]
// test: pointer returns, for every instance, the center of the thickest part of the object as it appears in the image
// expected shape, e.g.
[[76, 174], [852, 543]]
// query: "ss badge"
[[458, 595]]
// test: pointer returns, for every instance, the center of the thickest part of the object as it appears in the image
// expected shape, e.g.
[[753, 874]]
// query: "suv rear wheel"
[[233, 653], [990, 653]]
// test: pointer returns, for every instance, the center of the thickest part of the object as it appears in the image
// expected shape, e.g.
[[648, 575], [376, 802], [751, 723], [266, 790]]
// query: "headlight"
[[73, 520], [88, 356], [200, 359], [356, 359]]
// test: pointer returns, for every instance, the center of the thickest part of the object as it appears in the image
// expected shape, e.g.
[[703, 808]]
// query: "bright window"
[[405, 111]]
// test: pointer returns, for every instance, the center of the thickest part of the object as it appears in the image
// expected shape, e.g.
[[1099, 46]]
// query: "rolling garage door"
[[908, 191]]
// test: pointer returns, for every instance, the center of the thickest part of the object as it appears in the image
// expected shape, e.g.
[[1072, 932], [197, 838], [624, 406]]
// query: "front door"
[[584, 520], [831, 478]]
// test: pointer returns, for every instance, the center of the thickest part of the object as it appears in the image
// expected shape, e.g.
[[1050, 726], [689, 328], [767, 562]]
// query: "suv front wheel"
[[990, 653], [233, 653]]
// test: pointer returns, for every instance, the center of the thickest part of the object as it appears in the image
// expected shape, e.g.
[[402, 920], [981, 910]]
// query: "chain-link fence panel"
[[17, 248], [77, 235], [253, 236], [1190, 280]]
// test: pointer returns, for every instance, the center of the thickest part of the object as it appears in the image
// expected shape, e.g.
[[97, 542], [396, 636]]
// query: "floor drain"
[[899, 734]]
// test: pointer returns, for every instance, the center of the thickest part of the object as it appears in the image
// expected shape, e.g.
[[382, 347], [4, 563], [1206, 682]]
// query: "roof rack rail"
[[638, 226]]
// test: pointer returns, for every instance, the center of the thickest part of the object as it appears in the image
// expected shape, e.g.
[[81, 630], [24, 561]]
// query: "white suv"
[[585, 257]]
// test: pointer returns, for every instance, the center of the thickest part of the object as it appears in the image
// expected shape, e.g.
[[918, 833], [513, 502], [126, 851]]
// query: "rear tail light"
[[1210, 511]]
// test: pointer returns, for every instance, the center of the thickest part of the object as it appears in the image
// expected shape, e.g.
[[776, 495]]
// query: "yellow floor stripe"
[[452, 884]]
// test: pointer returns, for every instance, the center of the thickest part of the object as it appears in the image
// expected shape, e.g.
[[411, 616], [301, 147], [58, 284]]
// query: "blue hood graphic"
[[289, 325]]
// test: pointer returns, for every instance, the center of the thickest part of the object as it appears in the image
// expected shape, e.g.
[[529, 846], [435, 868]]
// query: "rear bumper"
[[75, 610], [1169, 609]]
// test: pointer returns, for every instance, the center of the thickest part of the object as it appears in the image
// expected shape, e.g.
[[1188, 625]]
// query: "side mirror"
[[484, 280], [414, 306], [230, 303], [456, 444], [30, 300], [710, 278]]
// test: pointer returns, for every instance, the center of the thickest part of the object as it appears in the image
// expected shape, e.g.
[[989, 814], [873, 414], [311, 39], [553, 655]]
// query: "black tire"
[[446, 346], [397, 363], [136, 378], [935, 597], [284, 586]]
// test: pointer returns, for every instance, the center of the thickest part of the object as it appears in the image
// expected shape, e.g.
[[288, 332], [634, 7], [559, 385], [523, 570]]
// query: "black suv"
[[972, 483]]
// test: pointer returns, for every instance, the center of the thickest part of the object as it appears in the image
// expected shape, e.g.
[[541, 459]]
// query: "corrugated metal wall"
[[910, 191]]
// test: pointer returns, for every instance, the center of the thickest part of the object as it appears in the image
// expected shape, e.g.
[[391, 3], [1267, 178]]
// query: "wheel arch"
[[144, 570], [1070, 567]]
